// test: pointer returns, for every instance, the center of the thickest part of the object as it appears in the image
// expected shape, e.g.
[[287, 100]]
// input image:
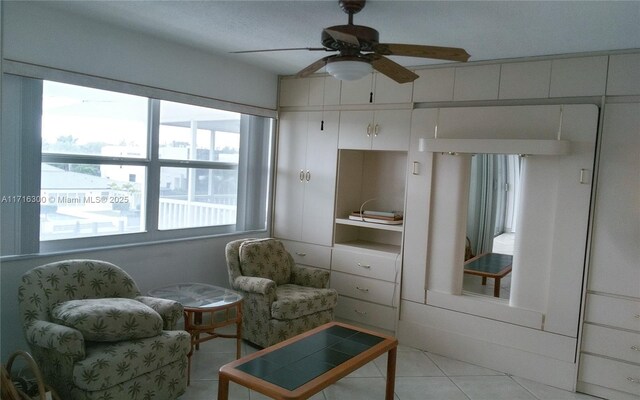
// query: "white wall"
[[37, 34], [32, 33]]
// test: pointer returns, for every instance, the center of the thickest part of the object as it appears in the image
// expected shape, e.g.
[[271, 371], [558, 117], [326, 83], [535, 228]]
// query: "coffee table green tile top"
[[489, 265], [305, 364], [222, 307]]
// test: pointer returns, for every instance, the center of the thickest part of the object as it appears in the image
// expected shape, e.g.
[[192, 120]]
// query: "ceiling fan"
[[359, 51]]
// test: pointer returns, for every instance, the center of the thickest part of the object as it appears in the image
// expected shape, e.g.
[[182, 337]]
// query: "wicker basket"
[[11, 391]]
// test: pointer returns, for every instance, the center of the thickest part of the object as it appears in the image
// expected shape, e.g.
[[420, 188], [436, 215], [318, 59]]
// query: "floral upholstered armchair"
[[281, 299], [95, 338]]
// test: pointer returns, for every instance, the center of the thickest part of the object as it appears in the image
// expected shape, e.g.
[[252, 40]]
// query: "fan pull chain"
[[324, 89]]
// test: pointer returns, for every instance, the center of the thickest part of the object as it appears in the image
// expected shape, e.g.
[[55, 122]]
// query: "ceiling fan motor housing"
[[367, 37]]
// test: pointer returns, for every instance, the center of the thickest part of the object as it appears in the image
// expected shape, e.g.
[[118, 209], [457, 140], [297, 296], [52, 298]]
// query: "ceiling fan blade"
[[347, 38], [314, 67], [391, 69], [416, 50], [292, 48]]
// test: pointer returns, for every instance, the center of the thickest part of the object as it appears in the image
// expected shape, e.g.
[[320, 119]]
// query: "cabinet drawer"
[[611, 343], [612, 311], [366, 313], [309, 254], [378, 266], [612, 374], [363, 288]]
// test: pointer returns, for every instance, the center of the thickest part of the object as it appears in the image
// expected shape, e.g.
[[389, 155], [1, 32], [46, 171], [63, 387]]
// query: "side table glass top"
[[197, 295]]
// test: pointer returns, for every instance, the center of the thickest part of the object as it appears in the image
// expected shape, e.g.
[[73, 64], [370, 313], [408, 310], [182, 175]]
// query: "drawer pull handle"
[[365, 313], [633, 380], [362, 289], [301, 254], [635, 348], [367, 266], [637, 316]]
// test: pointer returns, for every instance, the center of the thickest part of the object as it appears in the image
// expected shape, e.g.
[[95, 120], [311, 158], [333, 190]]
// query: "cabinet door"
[[416, 223], [624, 75], [526, 80], [479, 82], [356, 130], [615, 253], [320, 178], [391, 130], [357, 92], [324, 90], [294, 92], [584, 76], [292, 143], [388, 91]]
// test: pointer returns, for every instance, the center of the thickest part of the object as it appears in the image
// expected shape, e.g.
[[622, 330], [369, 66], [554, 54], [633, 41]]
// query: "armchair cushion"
[[297, 301], [170, 311], [265, 258], [108, 319], [109, 364]]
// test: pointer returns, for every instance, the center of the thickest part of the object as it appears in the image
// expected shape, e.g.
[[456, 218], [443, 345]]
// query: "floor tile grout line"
[[522, 386]]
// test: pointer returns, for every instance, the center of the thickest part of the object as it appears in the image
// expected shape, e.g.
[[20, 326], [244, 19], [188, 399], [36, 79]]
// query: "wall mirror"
[[494, 189]]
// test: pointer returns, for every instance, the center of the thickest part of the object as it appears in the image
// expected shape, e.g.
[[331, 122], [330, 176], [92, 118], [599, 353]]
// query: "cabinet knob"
[[300, 254], [362, 289], [376, 130], [365, 313], [635, 348], [633, 380], [367, 266], [301, 176], [308, 176], [369, 129]]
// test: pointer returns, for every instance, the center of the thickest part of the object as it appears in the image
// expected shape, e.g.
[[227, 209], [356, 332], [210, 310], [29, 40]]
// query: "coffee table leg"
[[496, 288], [223, 388], [238, 330], [391, 373]]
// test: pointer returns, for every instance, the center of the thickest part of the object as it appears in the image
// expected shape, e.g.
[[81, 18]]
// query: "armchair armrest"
[[311, 277], [170, 310], [251, 284], [62, 339]]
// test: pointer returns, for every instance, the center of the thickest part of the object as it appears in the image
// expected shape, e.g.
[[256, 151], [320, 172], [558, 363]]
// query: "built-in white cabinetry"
[[526, 80], [610, 359], [367, 256], [313, 91], [375, 129], [478, 82], [305, 176], [375, 89], [435, 84], [308, 254], [624, 75], [582, 76]]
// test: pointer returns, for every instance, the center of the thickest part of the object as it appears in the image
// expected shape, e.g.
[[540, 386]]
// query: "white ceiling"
[[488, 30]]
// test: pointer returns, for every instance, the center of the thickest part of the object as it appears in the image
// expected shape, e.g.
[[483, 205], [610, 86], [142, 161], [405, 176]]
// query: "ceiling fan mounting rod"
[[351, 7]]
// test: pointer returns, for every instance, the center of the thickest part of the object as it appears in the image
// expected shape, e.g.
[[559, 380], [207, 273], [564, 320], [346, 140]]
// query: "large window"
[[96, 167]]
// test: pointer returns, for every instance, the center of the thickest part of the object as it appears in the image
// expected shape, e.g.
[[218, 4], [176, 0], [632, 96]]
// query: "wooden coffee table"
[[299, 367], [489, 265]]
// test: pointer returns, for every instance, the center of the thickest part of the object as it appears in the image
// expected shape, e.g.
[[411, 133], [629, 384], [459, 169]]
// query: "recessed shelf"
[[367, 245], [369, 225]]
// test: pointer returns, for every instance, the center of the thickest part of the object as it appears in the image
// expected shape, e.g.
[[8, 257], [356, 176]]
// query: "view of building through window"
[[96, 159]]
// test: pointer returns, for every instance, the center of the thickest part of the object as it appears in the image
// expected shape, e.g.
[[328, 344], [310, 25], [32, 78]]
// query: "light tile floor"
[[419, 376]]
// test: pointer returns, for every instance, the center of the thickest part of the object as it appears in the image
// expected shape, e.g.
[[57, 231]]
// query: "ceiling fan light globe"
[[349, 70]]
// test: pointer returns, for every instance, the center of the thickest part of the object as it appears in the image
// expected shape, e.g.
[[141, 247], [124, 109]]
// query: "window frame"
[[26, 222]]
